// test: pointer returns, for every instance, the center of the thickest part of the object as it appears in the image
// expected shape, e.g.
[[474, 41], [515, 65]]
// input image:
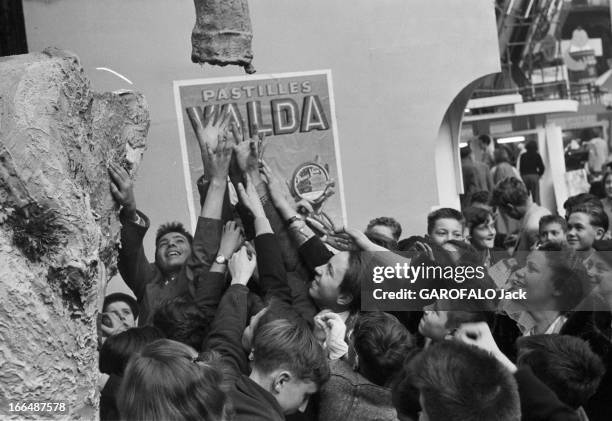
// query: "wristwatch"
[[221, 259], [293, 219]]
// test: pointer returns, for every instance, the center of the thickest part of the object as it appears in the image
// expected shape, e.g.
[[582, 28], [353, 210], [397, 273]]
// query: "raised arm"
[[247, 152], [225, 335], [272, 274], [311, 247], [133, 265], [216, 165], [211, 284]]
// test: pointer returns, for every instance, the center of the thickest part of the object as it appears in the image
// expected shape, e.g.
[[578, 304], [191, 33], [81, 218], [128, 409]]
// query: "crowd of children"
[[257, 318]]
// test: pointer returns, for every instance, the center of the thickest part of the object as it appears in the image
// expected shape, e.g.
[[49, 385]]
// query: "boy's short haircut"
[[509, 191], [597, 216], [181, 320], [172, 227], [387, 221], [552, 219], [381, 342], [581, 199], [481, 196], [117, 349], [459, 382], [564, 363], [289, 345], [443, 213]]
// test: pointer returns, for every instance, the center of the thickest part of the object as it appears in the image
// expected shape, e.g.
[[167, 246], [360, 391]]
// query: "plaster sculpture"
[[222, 34], [59, 227]]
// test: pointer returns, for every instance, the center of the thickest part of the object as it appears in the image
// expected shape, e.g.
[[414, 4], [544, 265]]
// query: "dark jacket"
[[531, 163], [251, 402], [108, 399], [350, 396], [538, 402], [147, 281], [595, 327]]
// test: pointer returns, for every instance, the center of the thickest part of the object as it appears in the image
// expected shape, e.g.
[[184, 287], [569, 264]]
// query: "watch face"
[[220, 259]]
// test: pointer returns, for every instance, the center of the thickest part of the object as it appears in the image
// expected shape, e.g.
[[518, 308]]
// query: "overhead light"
[[467, 110], [512, 139], [462, 144]]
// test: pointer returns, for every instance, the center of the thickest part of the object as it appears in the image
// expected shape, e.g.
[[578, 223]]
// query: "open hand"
[[208, 131], [276, 188], [122, 187], [341, 242], [246, 150], [217, 162], [360, 239], [231, 239]]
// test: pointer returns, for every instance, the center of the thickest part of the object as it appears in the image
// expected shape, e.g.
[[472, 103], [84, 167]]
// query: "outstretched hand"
[[122, 188], [247, 150], [250, 198], [341, 242], [217, 162], [231, 239], [209, 131], [276, 188], [360, 240], [241, 266]]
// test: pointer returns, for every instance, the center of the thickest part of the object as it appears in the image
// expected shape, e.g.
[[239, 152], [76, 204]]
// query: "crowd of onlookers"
[[255, 317]]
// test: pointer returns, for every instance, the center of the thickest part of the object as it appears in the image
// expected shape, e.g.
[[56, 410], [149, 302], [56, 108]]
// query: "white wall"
[[397, 65]]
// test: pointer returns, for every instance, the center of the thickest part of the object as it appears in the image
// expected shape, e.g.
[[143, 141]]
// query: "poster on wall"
[[295, 112]]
